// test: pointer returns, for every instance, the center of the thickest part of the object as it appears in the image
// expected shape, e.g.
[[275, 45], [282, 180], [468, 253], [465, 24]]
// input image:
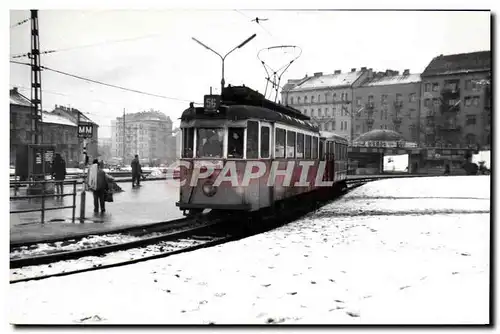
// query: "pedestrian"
[[59, 172], [136, 171], [447, 169], [101, 187]]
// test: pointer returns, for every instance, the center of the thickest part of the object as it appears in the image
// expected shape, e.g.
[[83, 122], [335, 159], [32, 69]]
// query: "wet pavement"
[[153, 202]]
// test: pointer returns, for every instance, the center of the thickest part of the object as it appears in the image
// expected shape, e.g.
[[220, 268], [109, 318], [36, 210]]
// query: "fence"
[[43, 187]]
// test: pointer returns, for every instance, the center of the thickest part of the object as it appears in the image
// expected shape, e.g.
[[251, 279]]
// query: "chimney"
[[370, 73], [338, 71], [363, 68], [406, 72], [318, 74], [14, 90], [395, 72], [388, 72], [353, 69]]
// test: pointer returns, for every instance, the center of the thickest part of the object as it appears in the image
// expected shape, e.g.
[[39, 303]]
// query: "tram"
[[242, 152]]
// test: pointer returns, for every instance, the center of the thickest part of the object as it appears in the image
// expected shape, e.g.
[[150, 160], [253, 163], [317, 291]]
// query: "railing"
[[44, 195]]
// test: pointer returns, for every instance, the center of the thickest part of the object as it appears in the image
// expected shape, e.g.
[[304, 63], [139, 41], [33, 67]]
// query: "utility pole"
[[123, 136], [36, 82]]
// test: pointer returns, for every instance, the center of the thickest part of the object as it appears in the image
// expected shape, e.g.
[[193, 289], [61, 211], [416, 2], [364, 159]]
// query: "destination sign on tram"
[[211, 103]]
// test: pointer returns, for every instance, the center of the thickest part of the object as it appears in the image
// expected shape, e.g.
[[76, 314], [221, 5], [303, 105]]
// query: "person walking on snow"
[[59, 172], [136, 171]]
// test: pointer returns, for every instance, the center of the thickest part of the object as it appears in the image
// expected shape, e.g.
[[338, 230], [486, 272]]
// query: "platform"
[[153, 202]]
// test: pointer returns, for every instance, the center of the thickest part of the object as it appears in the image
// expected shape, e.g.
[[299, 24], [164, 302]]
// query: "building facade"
[[146, 134], [326, 99], [388, 101], [456, 108], [59, 128]]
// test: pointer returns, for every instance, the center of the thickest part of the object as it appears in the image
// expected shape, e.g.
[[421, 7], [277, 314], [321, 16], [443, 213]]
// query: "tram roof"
[[243, 112], [242, 103]]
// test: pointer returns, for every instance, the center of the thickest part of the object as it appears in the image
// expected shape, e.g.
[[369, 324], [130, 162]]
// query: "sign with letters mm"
[[85, 130]]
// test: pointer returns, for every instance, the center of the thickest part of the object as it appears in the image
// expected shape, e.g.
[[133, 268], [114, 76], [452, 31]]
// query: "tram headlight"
[[209, 189]]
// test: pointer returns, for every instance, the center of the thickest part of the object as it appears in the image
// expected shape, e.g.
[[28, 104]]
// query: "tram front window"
[[235, 143], [209, 142]]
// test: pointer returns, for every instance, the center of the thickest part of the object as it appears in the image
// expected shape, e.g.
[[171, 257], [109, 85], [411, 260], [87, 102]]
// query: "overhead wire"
[[106, 84], [20, 23], [86, 46]]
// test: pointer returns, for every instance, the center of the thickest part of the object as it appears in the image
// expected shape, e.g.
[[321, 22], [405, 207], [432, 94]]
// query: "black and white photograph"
[[249, 166]]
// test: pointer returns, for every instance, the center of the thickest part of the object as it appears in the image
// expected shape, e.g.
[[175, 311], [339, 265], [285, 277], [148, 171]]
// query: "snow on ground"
[[401, 262]]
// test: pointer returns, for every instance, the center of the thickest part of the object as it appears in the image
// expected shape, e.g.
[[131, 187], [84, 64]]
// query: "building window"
[[305, 99], [383, 99], [358, 101], [468, 101], [413, 97], [475, 100], [319, 98], [370, 98], [468, 84], [341, 126], [298, 100], [451, 102], [326, 112], [346, 96], [471, 120], [427, 103], [435, 87], [312, 99], [427, 87], [312, 112], [319, 112], [291, 100], [334, 97]]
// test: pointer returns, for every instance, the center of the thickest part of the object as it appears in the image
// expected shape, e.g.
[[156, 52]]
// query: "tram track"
[[67, 263], [159, 244]]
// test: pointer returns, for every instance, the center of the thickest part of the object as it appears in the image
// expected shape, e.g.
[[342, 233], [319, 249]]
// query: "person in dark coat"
[[59, 172], [101, 188], [136, 171]]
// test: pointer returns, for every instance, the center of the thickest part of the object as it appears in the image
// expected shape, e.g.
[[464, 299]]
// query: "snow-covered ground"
[[404, 251]]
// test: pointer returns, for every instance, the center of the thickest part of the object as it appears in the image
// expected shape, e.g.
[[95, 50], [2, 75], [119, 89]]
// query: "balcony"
[[450, 127], [397, 120], [370, 105], [398, 104], [447, 108], [370, 121], [448, 93]]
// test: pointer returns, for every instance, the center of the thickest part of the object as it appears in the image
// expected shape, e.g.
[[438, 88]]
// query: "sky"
[[153, 51]]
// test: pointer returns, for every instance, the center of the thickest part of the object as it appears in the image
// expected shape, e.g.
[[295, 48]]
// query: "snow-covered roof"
[[394, 80], [19, 99], [56, 119], [329, 80]]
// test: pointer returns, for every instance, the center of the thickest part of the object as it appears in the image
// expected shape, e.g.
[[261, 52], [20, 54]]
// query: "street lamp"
[[224, 58]]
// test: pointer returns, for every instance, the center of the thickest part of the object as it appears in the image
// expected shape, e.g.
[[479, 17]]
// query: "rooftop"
[[329, 81], [459, 63], [17, 98], [52, 118], [393, 80], [380, 135]]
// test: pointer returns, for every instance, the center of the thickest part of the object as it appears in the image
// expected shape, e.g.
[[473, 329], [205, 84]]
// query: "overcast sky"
[[160, 57]]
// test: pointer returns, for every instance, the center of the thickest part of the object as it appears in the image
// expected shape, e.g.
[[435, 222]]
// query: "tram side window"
[[308, 147], [321, 149], [290, 144], [235, 143], [187, 142], [315, 148], [252, 140], [264, 141], [300, 145], [280, 143]]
